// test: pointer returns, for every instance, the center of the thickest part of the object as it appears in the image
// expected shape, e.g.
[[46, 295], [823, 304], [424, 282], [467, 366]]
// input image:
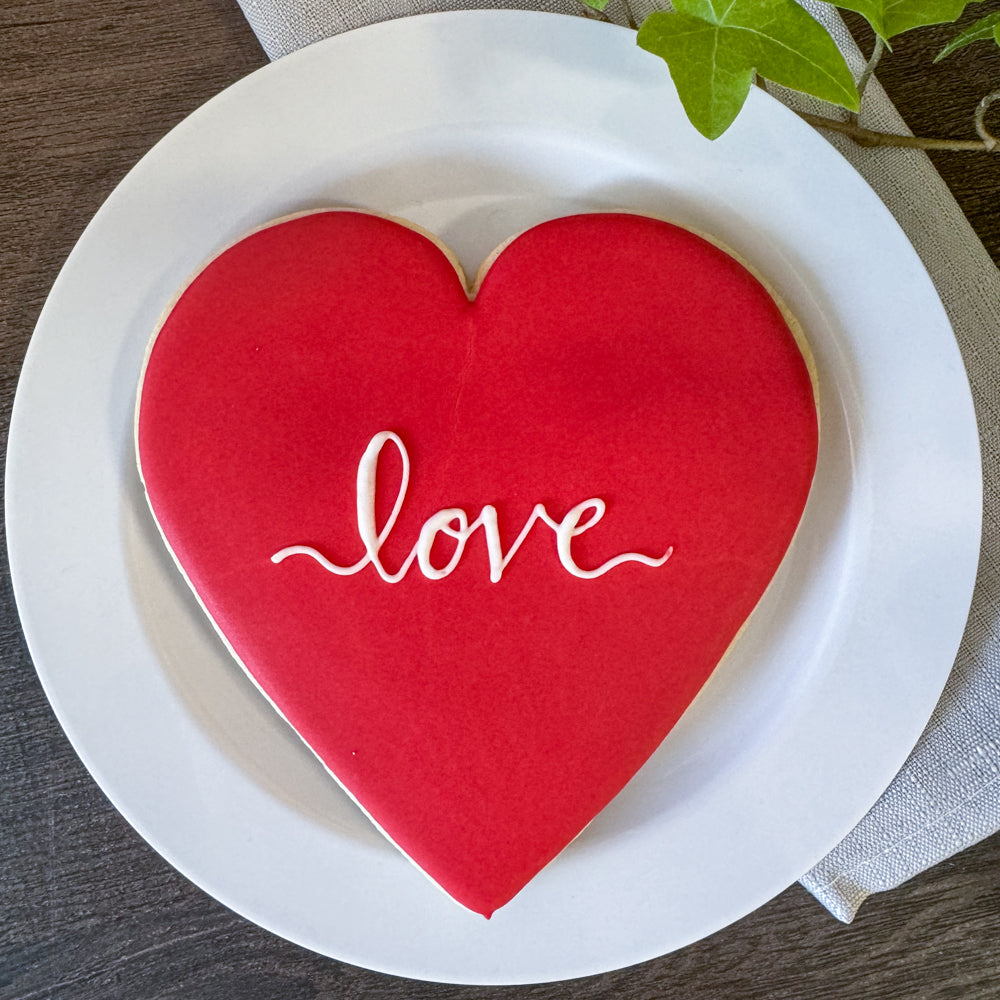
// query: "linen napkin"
[[947, 796]]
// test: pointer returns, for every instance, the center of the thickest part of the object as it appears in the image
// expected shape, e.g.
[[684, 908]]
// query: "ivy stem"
[[990, 141], [869, 69], [595, 14], [869, 137]]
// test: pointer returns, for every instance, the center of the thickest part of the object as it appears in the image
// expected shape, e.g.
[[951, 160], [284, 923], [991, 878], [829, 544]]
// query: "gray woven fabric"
[[947, 796]]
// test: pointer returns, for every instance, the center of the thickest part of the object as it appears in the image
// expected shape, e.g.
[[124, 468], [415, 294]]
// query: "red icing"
[[482, 725]]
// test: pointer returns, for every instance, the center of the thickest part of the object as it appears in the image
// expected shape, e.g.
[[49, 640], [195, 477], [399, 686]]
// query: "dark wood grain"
[[87, 910]]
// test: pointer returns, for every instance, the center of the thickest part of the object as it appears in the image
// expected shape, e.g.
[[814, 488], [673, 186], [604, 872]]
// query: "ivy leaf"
[[892, 17], [982, 31], [714, 48]]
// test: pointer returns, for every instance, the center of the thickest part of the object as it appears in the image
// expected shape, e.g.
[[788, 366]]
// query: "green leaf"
[[892, 17], [982, 31], [715, 47], [595, 4]]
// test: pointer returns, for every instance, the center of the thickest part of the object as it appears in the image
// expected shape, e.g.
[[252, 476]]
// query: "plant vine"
[[717, 49]]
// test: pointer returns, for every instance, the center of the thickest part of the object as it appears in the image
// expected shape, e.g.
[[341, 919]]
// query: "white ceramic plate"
[[476, 125]]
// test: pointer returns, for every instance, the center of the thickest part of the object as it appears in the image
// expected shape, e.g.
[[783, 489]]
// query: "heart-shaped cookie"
[[480, 549]]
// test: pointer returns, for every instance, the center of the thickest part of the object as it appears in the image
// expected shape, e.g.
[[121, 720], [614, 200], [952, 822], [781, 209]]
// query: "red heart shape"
[[481, 723]]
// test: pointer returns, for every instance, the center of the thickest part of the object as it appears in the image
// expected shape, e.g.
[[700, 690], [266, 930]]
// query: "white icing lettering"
[[454, 522], [440, 523]]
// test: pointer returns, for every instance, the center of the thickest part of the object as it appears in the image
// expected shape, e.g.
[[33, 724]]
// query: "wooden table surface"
[[87, 909]]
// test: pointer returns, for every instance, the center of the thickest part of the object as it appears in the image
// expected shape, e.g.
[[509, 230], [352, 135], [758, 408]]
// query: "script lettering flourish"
[[454, 522]]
